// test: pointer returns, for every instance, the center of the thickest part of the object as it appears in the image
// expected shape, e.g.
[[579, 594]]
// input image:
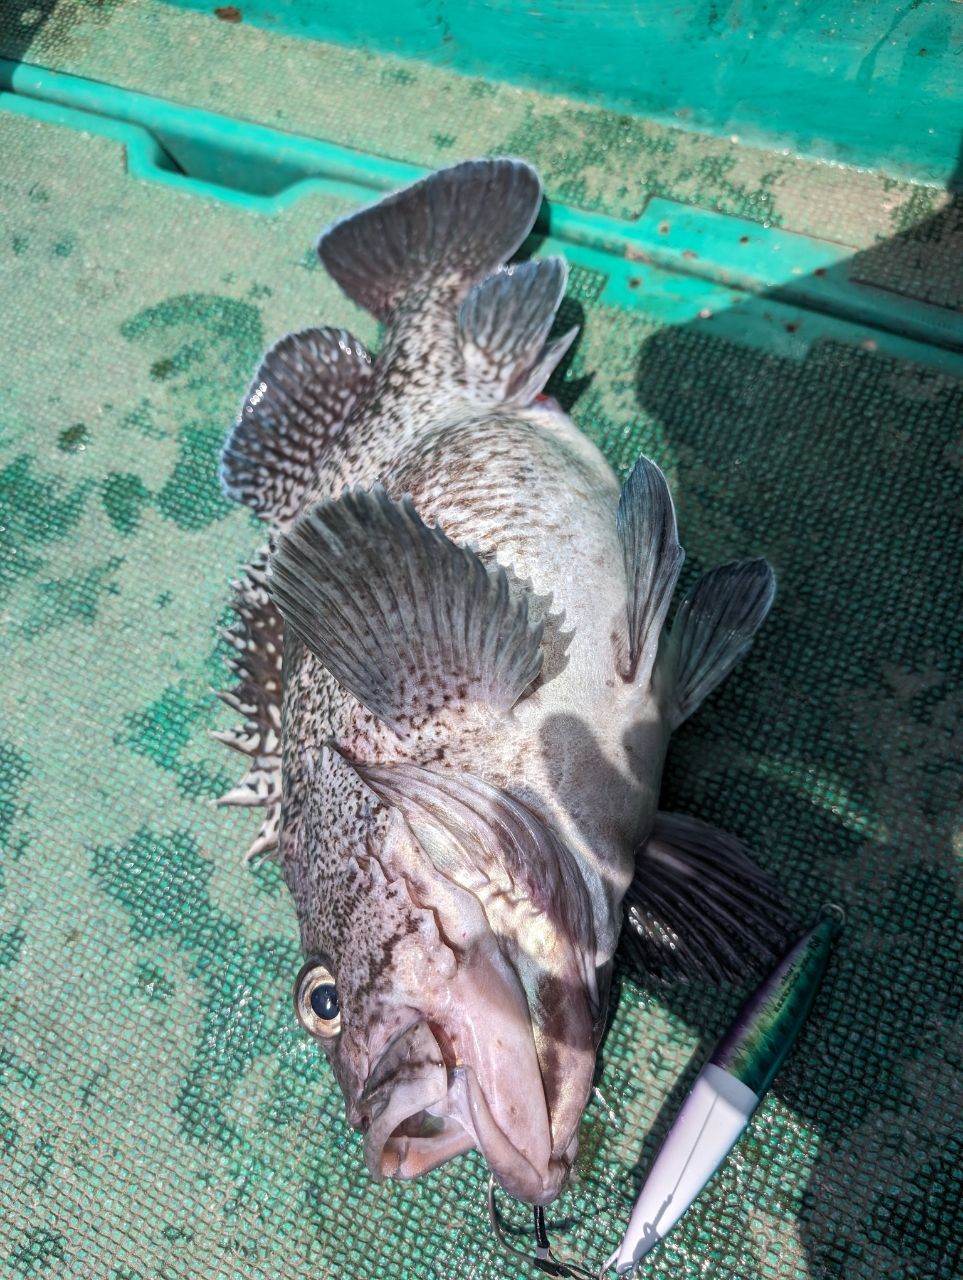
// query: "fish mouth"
[[417, 1112], [403, 1109]]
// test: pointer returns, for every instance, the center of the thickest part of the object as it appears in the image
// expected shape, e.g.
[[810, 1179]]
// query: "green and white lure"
[[729, 1087]]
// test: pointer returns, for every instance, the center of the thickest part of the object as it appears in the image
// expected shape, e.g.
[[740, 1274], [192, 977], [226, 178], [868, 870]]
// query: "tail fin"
[[456, 226]]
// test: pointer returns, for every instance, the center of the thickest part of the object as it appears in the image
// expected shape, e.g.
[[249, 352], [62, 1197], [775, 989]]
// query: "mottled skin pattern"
[[583, 750], [459, 873], [526, 490]]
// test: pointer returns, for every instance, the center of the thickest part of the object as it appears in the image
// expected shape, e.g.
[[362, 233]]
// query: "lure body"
[[727, 1091]]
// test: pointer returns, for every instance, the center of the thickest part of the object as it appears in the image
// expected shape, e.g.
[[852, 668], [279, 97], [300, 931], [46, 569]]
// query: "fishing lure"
[[728, 1089]]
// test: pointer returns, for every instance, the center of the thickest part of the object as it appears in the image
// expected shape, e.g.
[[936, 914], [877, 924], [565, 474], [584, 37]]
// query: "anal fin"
[[699, 907], [303, 391], [714, 627], [503, 328]]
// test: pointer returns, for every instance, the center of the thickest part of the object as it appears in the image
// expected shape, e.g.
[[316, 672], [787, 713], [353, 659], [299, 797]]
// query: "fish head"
[[454, 987]]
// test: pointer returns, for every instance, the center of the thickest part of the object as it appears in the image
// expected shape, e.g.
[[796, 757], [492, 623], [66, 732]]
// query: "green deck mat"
[[161, 1115]]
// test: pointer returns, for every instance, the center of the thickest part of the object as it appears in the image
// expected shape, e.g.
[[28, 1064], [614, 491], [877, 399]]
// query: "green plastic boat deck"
[[781, 331]]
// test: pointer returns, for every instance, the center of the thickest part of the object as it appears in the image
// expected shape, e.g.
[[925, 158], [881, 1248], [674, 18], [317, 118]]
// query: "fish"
[[457, 686]]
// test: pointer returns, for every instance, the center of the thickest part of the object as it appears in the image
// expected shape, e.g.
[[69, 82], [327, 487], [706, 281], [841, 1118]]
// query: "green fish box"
[[757, 205]]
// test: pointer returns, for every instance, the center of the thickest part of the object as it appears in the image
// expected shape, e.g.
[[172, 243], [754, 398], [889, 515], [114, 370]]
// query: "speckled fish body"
[[462, 776]]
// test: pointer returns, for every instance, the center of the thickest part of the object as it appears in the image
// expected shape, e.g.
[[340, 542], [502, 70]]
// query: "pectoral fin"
[[698, 906], [503, 328], [409, 622]]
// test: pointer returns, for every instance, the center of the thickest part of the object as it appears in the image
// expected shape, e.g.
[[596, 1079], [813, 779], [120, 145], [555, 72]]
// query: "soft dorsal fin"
[[409, 622], [714, 627], [455, 226], [502, 330], [303, 391], [698, 906], [652, 558]]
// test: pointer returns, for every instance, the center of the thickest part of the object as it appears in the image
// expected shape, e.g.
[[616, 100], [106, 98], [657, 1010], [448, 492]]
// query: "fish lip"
[[406, 1156], [408, 1078], [513, 1171], [446, 1113]]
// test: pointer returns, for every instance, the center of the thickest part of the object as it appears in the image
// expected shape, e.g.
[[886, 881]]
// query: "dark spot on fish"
[[820, 271], [228, 13], [743, 239], [792, 327], [634, 282], [663, 228]]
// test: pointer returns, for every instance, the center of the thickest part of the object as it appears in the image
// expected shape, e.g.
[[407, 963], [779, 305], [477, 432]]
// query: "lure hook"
[[543, 1258]]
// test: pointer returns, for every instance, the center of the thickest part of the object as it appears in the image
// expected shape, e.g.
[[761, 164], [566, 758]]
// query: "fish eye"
[[316, 1001]]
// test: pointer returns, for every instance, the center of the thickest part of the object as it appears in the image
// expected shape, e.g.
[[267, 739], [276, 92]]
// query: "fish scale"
[[478, 690]]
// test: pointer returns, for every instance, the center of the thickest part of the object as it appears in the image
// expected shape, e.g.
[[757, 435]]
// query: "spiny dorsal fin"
[[302, 393], [256, 643], [652, 558], [502, 330], [406, 620], [714, 627], [698, 906], [453, 227]]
